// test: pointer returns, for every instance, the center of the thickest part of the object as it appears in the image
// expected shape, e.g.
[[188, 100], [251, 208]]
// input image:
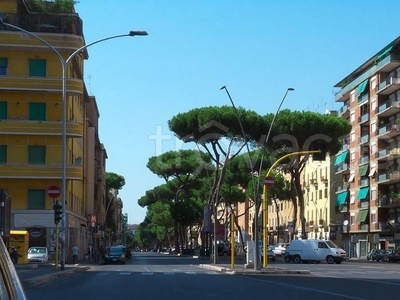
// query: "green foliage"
[[114, 181], [212, 123], [52, 7]]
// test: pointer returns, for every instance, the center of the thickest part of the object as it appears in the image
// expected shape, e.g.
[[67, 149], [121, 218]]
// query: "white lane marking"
[[213, 273], [169, 273], [147, 273], [191, 273], [381, 281], [342, 296], [124, 273]]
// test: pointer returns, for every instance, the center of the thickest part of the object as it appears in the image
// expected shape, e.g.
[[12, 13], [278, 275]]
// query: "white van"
[[314, 251]]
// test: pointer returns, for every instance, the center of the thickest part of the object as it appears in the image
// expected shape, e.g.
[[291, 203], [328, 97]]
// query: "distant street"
[[160, 276]]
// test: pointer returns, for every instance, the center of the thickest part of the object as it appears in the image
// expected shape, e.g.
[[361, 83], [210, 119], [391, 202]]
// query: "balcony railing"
[[364, 117], [364, 159], [363, 182], [388, 108], [389, 86], [363, 227], [363, 204], [341, 168], [364, 139], [64, 23]]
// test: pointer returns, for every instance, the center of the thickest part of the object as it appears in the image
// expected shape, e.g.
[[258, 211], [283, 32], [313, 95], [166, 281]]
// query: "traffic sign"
[[53, 191], [269, 181]]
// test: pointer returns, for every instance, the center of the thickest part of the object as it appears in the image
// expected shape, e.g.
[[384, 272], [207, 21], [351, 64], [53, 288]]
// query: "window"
[[373, 218], [36, 199], [37, 67], [352, 219], [37, 111], [322, 245], [352, 116], [37, 155], [3, 110], [3, 155], [3, 66]]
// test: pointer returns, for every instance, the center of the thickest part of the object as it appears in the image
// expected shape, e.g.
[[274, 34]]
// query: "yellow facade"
[[31, 128]]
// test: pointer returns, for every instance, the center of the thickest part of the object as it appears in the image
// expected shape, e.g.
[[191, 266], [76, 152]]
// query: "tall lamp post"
[[64, 64]]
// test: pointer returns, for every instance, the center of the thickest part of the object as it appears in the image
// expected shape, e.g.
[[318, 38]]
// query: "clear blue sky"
[[257, 48]]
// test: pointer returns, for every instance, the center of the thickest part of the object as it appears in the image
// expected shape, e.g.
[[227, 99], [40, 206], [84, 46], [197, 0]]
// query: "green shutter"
[[362, 194], [362, 171], [3, 155], [37, 67], [37, 155], [362, 215], [341, 198], [3, 110], [383, 54], [37, 111], [36, 199], [362, 86], [3, 62]]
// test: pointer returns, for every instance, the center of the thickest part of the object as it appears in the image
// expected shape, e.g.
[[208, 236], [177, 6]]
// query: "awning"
[[363, 193], [351, 178], [340, 158], [362, 215], [341, 198], [362, 86], [372, 172], [382, 55], [362, 171]]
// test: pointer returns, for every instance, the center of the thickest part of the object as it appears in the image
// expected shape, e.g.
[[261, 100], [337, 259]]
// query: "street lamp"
[[64, 64]]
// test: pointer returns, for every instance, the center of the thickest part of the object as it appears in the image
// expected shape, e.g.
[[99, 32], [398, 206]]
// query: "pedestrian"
[[75, 254], [101, 253], [14, 255]]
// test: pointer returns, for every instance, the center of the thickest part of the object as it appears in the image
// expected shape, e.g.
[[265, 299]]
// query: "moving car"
[[280, 249], [115, 254], [38, 254], [314, 251]]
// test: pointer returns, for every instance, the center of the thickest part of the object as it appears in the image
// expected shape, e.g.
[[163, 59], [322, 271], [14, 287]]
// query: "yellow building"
[[31, 127]]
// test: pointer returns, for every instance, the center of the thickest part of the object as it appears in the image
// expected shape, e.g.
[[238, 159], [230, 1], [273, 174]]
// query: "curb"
[[252, 272], [39, 280]]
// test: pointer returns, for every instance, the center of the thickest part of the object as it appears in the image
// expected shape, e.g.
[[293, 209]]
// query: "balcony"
[[344, 111], [363, 227], [389, 86], [382, 226], [43, 84], [388, 153], [364, 139], [364, 118], [388, 108], [65, 23], [341, 168], [389, 177], [363, 182], [26, 127], [388, 131], [342, 208], [363, 160], [389, 63], [363, 204], [47, 171]]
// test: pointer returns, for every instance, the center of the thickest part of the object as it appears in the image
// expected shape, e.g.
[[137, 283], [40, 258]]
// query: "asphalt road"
[[157, 276]]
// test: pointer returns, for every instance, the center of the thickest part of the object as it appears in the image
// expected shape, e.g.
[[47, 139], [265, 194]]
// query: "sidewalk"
[[38, 274]]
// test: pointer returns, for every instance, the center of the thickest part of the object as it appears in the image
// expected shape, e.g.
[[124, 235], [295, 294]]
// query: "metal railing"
[[65, 23]]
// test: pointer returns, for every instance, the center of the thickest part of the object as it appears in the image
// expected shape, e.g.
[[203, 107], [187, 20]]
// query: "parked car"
[[38, 254], [393, 255], [377, 255], [115, 254], [270, 253], [314, 251], [280, 249], [224, 249]]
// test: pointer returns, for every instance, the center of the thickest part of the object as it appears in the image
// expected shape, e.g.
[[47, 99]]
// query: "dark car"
[[393, 255], [377, 255], [115, 254]]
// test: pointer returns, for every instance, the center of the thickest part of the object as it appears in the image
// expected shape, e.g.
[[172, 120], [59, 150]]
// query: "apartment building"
[[368, 163], [31, 123]]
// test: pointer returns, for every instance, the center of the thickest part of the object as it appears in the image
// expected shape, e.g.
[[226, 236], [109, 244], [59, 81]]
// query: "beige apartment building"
[[368, 163]]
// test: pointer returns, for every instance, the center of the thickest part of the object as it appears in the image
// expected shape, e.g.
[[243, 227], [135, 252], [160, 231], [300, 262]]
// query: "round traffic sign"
[[269, 181], [53, 191]]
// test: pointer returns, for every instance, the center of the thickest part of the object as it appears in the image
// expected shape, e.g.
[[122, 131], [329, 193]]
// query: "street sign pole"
[[268, 183]]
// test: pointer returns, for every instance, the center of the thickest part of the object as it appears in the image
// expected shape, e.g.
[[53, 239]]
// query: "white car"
[[38, 254], [280, 249]]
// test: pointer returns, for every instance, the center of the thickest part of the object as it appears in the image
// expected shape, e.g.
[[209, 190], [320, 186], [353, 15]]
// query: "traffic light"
[[57, 212]]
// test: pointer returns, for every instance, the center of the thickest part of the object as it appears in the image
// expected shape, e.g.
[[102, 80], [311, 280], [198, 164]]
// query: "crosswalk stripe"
[[124, 273]]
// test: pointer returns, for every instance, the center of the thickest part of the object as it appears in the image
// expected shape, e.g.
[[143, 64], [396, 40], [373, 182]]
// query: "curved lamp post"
[[64, 64]]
